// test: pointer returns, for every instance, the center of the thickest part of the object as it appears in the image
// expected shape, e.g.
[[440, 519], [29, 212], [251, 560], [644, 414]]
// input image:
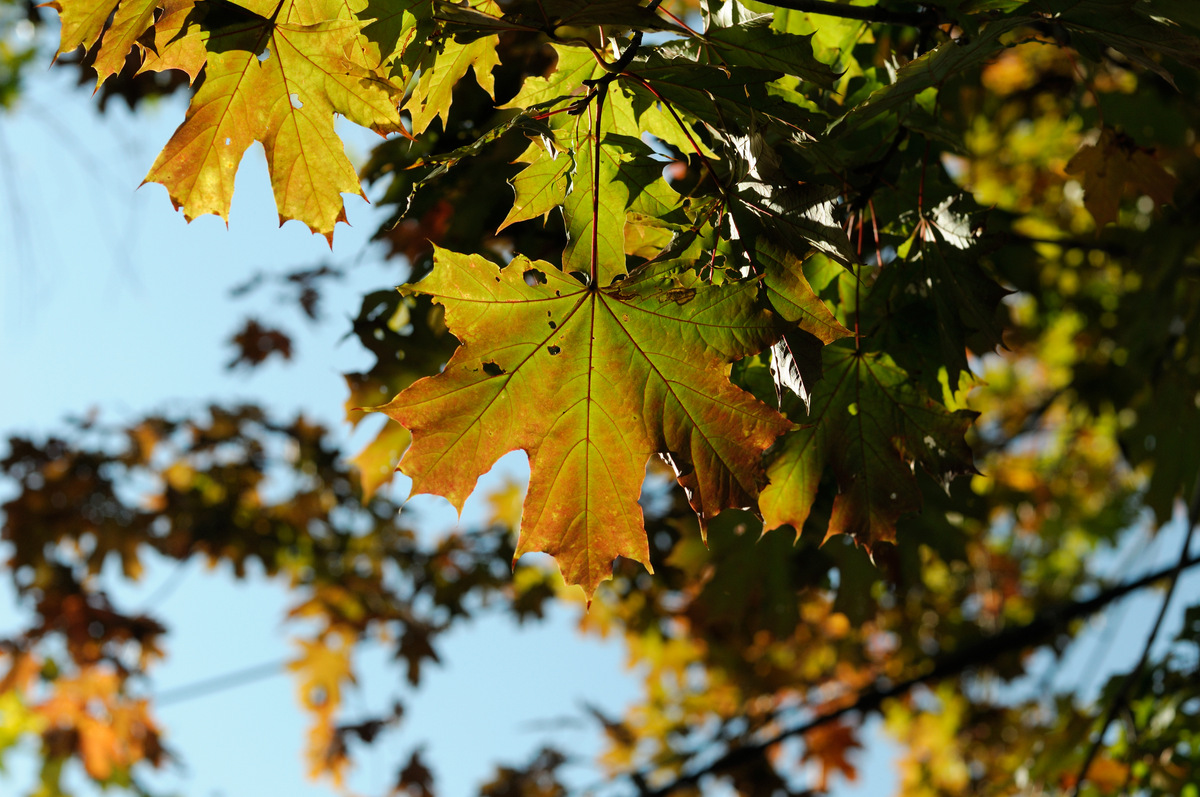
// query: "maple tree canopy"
[[842, 339]]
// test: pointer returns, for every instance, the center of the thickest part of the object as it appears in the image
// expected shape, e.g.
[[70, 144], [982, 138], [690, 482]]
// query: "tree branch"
[[916, 19], [987, 649], [1122, 695]]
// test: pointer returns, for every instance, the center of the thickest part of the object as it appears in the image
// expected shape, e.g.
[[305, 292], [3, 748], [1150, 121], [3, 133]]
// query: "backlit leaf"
[[279, 82], [869, 425], [541, 186], [434, 90], [590, 382]]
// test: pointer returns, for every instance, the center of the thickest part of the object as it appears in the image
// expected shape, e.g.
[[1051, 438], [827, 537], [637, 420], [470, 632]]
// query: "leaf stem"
[[601, 89], [683, 128], [858, 285]]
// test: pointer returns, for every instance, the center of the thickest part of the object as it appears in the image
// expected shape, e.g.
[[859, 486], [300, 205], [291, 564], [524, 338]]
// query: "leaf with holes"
[[590, 381]]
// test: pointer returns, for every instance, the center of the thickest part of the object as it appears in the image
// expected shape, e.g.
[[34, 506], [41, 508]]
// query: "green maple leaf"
[[724, 96], [939, 285], [279, 80], [736, 35], [590, 381], [871, 426], [930, 70], [627, 178], [594, 210], [573, 65], [533, 15], [540, 187]]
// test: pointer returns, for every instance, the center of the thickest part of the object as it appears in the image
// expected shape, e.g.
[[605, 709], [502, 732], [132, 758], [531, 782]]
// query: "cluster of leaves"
[[229, 486], [749, 239]]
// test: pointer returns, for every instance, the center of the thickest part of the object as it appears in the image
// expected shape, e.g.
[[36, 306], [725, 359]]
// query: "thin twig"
[[1118, 701], [987, 649], [220, 683]]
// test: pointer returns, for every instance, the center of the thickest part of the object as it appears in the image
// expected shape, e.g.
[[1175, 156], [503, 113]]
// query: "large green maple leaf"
[[871, 426], [590, 381]]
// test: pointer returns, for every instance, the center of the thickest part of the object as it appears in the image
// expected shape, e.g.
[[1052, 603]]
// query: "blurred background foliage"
[[763, 658]]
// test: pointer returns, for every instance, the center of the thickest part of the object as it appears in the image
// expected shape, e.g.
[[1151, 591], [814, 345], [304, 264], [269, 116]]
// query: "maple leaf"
[[930, 70], [796, 356], [828, 746], [940, 283], [121, 22], [444, 68], [533, 15], [1113, 163], [792, 297], [255, 343], [377, 461], [540, 187], [109, 731], [590, 382], [736, 34], [180, 37], [415, 779], [279, 80], [324, 666], [870, 425]]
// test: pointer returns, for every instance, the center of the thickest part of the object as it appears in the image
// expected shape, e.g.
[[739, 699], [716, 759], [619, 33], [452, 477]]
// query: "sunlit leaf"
[[590, 382]]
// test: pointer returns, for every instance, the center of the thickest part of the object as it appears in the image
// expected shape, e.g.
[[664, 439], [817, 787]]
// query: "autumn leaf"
[[828, 745], [110, 731], [121, 23], [255, 343], [870, 425], [376, 462], [176, 41], [1111, 165], [434, 90], [278, 80], [324, 666], [415, 779], [590, 382]]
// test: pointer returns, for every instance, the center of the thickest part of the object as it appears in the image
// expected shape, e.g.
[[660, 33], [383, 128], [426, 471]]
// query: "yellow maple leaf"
[[279, 80]]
